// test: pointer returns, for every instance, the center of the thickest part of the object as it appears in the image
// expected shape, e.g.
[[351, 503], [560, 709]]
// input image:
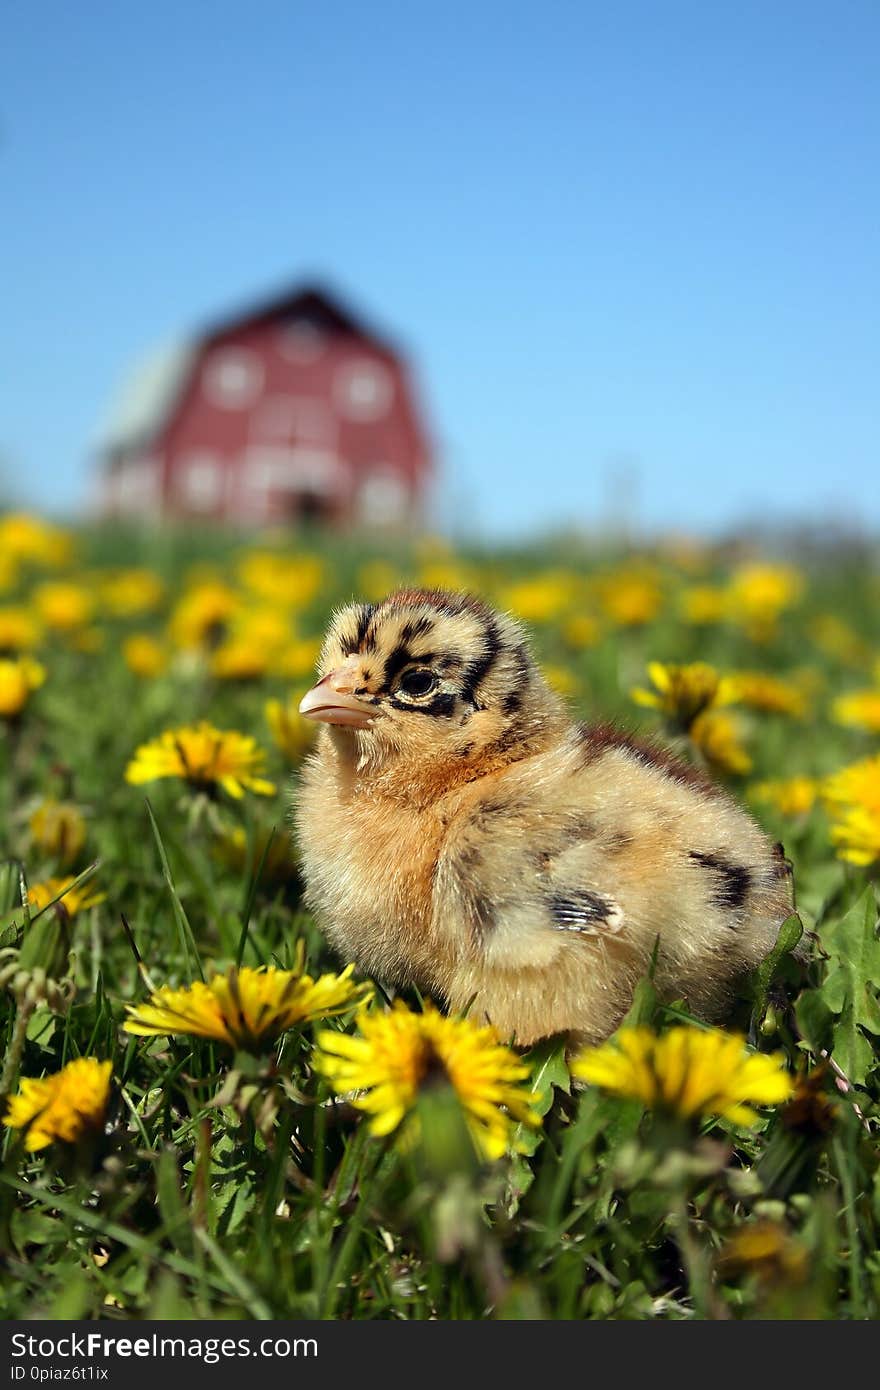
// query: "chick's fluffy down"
[[459, 832]]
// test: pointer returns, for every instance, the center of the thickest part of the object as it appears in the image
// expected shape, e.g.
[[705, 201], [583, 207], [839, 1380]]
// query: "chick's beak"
[[331, 701]]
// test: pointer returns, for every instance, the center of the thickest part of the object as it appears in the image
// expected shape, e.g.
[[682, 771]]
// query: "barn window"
[[383, 499], [233, 378], [199, 482], [363, 390]]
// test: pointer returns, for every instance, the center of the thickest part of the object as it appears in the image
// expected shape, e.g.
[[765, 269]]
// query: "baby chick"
[[461, 833]]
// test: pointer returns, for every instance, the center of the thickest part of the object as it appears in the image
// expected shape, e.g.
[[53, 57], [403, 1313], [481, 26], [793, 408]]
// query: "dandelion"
[[128, 593], [144, 655], [65, 1106], [253, 645], [758, 594], [855, 835], [858, 785], [19, 679], [680, 692], [767, 1250], [688, 1072], [860, 709], [63, 605], [292, 734], [852, 798], [630, 600], [759, 691], [398, 1054], [542, 598], [19, 630], [702, 605], [562, 680], [59, 829], [201, 617], [288, 580], [299, 658], [27, 538], [581, 630], [791, 796], [61, 890], [716, 736], [205, 758], [247, 1009]]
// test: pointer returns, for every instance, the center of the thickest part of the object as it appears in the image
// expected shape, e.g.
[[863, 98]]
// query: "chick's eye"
[[417, 682]]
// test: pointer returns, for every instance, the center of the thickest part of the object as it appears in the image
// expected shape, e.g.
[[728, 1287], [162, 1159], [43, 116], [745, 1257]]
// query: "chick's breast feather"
[[460, 832]]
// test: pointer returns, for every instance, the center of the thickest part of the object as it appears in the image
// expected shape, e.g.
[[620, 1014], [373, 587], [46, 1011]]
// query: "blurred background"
[[495, 271]]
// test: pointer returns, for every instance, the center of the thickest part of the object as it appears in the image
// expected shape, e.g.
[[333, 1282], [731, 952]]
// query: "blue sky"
[[636, 240]]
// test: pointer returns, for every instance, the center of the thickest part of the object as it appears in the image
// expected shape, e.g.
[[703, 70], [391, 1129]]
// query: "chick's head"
[[432, 676]]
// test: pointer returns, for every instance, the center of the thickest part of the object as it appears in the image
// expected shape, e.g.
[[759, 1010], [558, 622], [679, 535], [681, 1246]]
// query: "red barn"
[[291, 412]]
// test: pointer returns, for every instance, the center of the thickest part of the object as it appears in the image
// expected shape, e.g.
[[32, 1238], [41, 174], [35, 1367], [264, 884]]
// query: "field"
[[230, 1178]]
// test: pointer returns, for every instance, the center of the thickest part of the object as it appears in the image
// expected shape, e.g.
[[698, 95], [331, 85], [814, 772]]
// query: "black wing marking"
[[732, 881], [586, 912]]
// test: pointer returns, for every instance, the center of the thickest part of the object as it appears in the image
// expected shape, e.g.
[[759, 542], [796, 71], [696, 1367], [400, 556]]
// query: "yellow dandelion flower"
[[59, 889], [857, 785], [288, 580], [759, 691], [19, 630], [860, 709], [65, 1106], [253, 645], [581, 630], [299, 658], [758, 594], [561, 679], [247, 1009], [63, 605], [240, 659], [201, 616], [688, 1072], [397, 1053], [791, 796], [128, 593], [680, 692], [59, 829], [144, 655], [291, 733], [18, 680], [767, 1250], [855, 834], [204, 757], [716, 736], [27, 538], [542, 598], [630, 600], [703, 604]]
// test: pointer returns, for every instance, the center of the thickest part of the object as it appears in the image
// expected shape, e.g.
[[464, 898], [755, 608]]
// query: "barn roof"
[[148, 395], [146, 398], [310, 301]]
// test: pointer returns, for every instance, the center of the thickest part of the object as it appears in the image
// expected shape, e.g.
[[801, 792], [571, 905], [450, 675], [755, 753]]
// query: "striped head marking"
[[426, 671]]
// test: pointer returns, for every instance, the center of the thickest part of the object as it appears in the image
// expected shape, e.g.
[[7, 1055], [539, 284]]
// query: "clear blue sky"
[[628, 235]]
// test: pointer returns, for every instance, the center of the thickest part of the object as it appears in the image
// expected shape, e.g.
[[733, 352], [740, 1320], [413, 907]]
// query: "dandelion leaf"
[[851, 985]]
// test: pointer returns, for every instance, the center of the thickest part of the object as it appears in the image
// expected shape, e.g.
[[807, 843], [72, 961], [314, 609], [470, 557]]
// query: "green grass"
[[187, 1208]]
